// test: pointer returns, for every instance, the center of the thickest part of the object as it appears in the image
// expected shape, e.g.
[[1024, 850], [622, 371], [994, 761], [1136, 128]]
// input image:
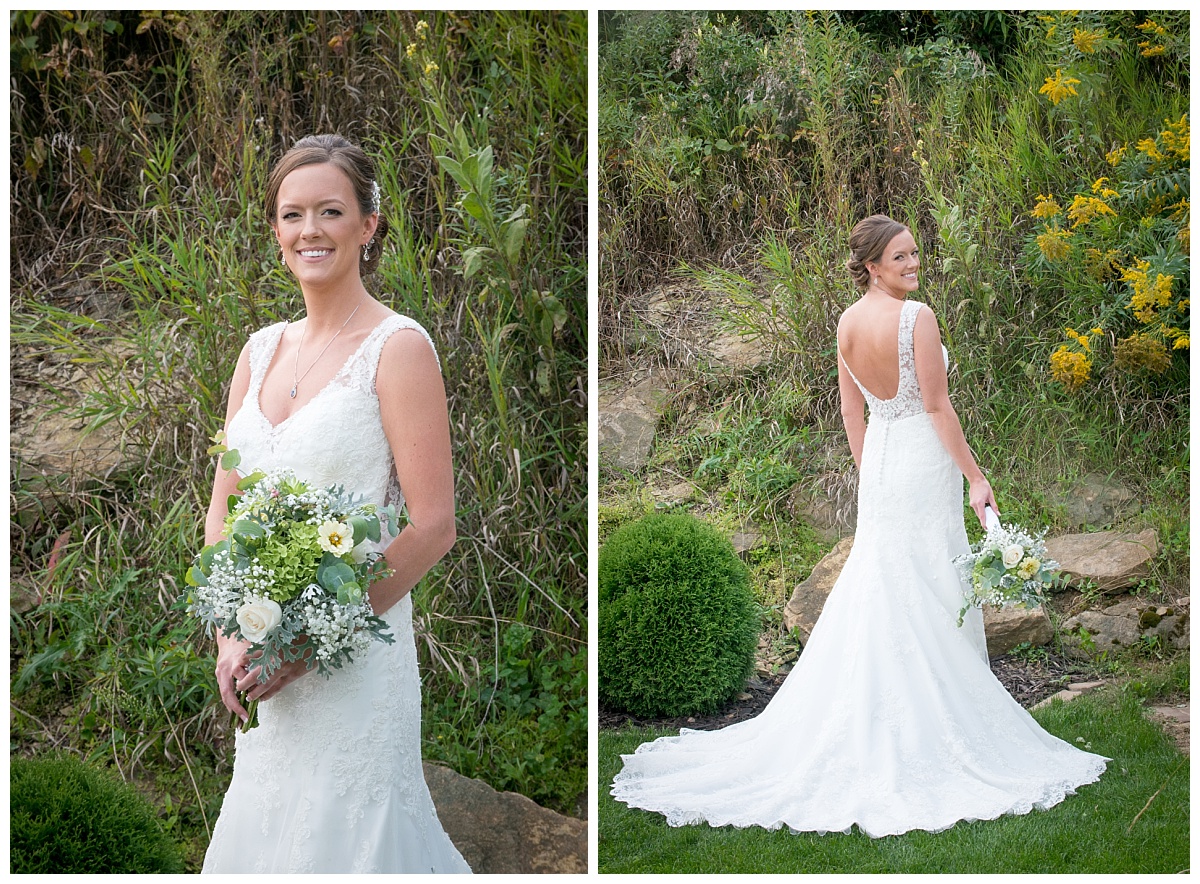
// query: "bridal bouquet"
[[291, 575], [1008, 567]]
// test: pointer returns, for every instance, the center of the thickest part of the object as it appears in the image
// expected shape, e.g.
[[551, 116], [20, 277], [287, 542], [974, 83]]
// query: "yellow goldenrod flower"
[[1177, 138], [1047, 207], [1151, 51], [1142, 351], [1087, 208], [1099, 186], [1149, 26], [1097, 331], [1115, 155], [1085, 41], [1053, 243], [1059, 87], [1070, 368], [1182, 343], [1150, 149]]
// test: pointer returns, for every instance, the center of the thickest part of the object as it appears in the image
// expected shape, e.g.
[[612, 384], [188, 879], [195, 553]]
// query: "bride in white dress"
[[331, 778], [891, 719]]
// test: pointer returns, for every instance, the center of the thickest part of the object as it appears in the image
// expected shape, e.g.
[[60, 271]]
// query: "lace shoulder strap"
[[263, 344], [366, 362]]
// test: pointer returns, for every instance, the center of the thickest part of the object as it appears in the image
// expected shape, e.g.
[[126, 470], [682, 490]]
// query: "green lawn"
[[1088, 832]]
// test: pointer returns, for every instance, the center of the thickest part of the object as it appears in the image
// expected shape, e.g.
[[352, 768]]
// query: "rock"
[[737, 351], [831, 518], [504, 832], [1111, 560], [1099, 501], [1085, 687], [627, 424], [1106, 633], [1007, 627], [1065, 696], [681, 492], [808, 598], [747, 539]]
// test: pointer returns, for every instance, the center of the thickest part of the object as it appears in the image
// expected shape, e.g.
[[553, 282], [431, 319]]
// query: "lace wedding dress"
[[331, 779], [891, 719]]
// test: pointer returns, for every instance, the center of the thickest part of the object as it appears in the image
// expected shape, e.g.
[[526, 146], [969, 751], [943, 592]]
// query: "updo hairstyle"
[[350, 159], [868, 239]]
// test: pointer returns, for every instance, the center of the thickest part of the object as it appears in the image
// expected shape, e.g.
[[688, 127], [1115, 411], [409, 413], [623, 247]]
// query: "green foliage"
[[69, 818], [677, 624], [141, 144]]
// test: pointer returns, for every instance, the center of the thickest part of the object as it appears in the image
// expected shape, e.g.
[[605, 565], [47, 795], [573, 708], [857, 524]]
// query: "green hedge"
[[68, 817], [678, 625]]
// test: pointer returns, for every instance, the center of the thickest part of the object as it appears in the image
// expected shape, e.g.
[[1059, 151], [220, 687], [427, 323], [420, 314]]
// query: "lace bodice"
[[907, 400], [337, 436]]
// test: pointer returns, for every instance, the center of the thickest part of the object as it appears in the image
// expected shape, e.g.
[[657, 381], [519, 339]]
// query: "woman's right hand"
[[980, 497], [233, 668]]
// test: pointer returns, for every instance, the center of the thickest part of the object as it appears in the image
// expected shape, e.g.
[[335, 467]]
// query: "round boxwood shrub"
[[678, 626], [66, 816]]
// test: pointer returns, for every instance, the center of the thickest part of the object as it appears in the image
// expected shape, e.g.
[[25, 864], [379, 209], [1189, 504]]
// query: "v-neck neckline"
[[275, 349]]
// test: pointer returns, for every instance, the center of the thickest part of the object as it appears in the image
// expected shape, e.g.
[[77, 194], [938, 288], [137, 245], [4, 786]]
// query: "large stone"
[[627, 423], [1110, 560], [503, 832], [1098, 501], [1106, 633], [804, 607], [1007, 627], [832, 517], [738, 351]]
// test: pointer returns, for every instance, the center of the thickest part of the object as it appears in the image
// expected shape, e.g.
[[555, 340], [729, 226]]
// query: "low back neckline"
[[899, 358]]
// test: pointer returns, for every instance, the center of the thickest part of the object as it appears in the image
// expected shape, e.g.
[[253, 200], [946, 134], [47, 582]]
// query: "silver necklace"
[[296, 380]]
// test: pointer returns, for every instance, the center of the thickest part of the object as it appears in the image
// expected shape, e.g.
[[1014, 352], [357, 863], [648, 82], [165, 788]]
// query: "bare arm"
[[412, 402], [231, 654], [931, 375], [853, 403]]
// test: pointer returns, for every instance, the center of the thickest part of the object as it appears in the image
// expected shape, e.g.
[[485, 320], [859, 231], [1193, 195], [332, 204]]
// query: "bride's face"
[[898, 265], [319, 225]]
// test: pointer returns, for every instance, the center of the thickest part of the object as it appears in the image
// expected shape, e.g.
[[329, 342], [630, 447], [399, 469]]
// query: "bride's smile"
[[320, 228]]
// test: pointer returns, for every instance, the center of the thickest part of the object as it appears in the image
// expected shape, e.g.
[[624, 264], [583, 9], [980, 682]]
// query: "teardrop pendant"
[[293, 393]]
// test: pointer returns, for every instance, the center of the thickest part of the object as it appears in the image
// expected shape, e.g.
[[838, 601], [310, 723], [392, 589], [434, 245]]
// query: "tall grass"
[[162, 229]]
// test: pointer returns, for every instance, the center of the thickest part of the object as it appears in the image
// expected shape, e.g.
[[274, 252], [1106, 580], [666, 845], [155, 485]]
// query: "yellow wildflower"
[[1142, 351], [1085, 41], [1182, 343], [1149, 26], [422, 27], [1070, 368], [1151, 51], [411, 50], [1087, 208], [1059, 87], [1051, 32], [1150, 149], [1148, 296], [1097, 331], [1053, 243], [430, 68], [1099, 186], [1177, 138], [1082, 340], [1115, 155], [1046, 207]]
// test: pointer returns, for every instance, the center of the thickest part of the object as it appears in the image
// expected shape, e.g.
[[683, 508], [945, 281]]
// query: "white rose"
[[359, 553], [258, 618], [1013, 555]]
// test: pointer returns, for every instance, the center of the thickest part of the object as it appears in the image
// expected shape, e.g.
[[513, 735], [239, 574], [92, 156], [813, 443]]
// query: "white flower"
[[257, 618], [1013, 555], [336, 537], [359, 554], [1028, 568]]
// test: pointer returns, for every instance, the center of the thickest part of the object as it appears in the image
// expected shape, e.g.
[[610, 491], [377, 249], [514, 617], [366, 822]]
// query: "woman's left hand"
[[264, 690]]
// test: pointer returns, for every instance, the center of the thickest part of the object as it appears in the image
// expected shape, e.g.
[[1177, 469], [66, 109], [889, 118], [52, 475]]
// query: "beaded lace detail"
[[331, 779], [907, 400]]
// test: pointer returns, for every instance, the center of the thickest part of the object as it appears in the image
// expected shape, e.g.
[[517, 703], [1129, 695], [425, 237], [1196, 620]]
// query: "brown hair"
[[350, 159], [868, 239]]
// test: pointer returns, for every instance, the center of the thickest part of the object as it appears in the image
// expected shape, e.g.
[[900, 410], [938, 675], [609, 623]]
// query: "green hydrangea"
[[292, 553]]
